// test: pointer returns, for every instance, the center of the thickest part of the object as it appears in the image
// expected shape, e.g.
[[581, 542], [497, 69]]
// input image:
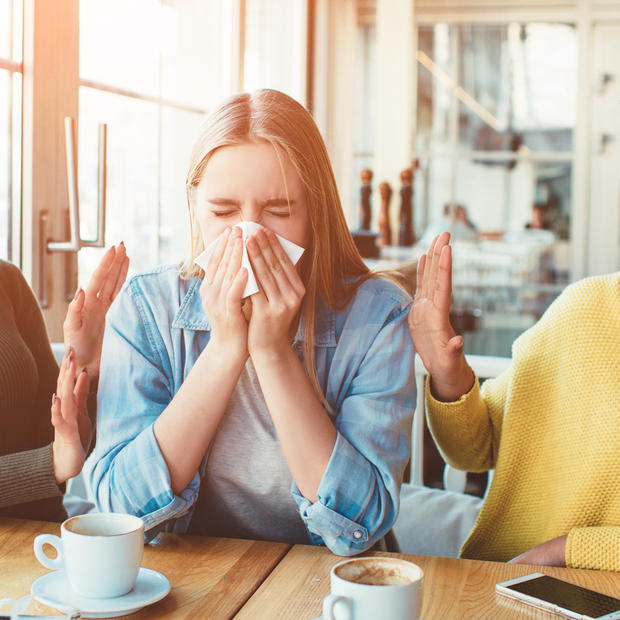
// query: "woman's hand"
[[277, 303], [85, 323], [72, 427], [550, 553], [222, 291], [429, 323]]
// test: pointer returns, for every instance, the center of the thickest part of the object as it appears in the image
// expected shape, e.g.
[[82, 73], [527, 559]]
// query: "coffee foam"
[[379, 572]]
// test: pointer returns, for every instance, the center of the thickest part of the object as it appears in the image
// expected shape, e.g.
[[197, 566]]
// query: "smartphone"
[[561, 597]]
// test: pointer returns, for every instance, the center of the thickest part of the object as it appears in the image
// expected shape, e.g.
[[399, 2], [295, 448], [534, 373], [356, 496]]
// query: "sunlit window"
[[10, 127], [497, 108], [149, 70], [275, 46]]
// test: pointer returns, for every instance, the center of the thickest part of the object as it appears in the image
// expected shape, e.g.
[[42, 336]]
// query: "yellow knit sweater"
[[550, 426]]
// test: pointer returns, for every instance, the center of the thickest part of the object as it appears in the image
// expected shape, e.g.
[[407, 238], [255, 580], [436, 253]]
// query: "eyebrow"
[[272, 202]]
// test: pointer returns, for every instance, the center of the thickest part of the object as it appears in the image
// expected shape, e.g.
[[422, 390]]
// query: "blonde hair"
[[332, 268]]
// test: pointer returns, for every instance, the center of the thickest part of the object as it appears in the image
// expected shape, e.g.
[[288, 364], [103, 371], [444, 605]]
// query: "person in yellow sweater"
[[549, 425]]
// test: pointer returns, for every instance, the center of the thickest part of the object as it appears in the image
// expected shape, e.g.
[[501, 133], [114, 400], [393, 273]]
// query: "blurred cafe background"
[[505, 112]]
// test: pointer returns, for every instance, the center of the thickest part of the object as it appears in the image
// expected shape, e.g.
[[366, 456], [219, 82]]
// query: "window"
[[497, 108], [275, 46], [149, 70], [10, 128]]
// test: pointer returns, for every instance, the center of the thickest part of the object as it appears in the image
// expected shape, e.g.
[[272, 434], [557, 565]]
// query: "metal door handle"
[[102, 181], [75, 243]]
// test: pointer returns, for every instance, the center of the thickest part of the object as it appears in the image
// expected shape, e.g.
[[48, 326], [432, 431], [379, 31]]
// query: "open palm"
[[85, 323], [429, 323]]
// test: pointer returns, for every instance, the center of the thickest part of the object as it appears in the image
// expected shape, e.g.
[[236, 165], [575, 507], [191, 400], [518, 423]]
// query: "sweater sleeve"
[[468, 430], [27, 476], [594, 548]]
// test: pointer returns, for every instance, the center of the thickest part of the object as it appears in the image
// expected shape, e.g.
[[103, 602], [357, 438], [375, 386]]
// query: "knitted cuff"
[[27, 476], [594, 548], [463, 401]]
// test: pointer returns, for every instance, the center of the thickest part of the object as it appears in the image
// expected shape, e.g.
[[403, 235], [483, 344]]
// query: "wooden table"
[[210, 577], [220, 578], [453, 588]]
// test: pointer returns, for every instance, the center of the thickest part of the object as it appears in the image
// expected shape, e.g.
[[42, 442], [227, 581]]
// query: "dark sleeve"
[[27, 476], [31, 326], [26, 472]]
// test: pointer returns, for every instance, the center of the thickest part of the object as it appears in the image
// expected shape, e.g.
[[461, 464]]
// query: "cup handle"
[[50, 539], [329, 602], [12, 604]]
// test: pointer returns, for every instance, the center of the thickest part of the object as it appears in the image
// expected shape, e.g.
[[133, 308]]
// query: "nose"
[[252, 213]]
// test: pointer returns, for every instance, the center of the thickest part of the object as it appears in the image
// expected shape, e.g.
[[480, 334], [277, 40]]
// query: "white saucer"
[[150, 587]]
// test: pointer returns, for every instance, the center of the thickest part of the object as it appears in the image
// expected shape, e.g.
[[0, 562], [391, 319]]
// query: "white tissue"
[[294, 252]]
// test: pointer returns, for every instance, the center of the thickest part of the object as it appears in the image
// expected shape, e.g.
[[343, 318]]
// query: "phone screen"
[[568, 596]]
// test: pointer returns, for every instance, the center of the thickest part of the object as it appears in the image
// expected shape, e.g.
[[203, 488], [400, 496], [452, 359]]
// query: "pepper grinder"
[[365, 213], [385, 230], [406, 235]]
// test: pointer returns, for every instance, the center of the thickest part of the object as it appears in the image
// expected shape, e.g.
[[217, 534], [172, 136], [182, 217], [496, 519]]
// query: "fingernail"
[[227, 232], [79, 288], [122, 243], [67, 349], [84, 370], [459, 345], [53, 400], [251, 243]]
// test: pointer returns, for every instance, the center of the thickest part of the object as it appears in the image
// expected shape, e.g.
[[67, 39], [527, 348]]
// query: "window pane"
[[436, 66], [5, 28], [179, 130], [120, 43], [526, 78], [195, 64], [5, 154], [275, 46], [133, 177], [515, 87]]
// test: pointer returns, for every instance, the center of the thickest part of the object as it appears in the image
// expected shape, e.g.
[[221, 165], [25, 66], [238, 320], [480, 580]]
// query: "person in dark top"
[[39, 452]]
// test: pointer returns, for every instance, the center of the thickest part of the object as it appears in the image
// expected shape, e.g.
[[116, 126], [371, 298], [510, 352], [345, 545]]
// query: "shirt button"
[[357, 534], [298, 346]]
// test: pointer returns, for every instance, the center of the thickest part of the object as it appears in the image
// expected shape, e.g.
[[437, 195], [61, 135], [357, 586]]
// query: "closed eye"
[[229, 213], [281, 214]]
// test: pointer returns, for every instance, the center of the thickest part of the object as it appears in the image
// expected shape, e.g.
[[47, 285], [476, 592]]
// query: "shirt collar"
[[191, 315]]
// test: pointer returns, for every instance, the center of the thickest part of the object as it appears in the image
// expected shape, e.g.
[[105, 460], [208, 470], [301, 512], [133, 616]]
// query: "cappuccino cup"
[[101, 553], [371, 588]]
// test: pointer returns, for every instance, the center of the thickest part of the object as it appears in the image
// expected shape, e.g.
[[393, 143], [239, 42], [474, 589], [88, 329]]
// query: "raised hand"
[[222, 290], [277, 303], [72, 427], [429, 323], [85, 323]]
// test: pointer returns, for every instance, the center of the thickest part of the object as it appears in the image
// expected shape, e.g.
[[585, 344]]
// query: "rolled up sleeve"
[[130, 474], [373, 389]]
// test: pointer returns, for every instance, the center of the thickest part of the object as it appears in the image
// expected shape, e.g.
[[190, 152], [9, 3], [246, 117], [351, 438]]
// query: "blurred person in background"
[[461, 228]]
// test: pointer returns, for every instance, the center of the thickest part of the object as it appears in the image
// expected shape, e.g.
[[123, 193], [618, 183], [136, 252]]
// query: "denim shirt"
[[155, 331]]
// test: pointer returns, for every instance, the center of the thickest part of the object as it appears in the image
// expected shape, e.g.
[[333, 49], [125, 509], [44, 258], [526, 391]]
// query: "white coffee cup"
[[101, 553], [371, 588]]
